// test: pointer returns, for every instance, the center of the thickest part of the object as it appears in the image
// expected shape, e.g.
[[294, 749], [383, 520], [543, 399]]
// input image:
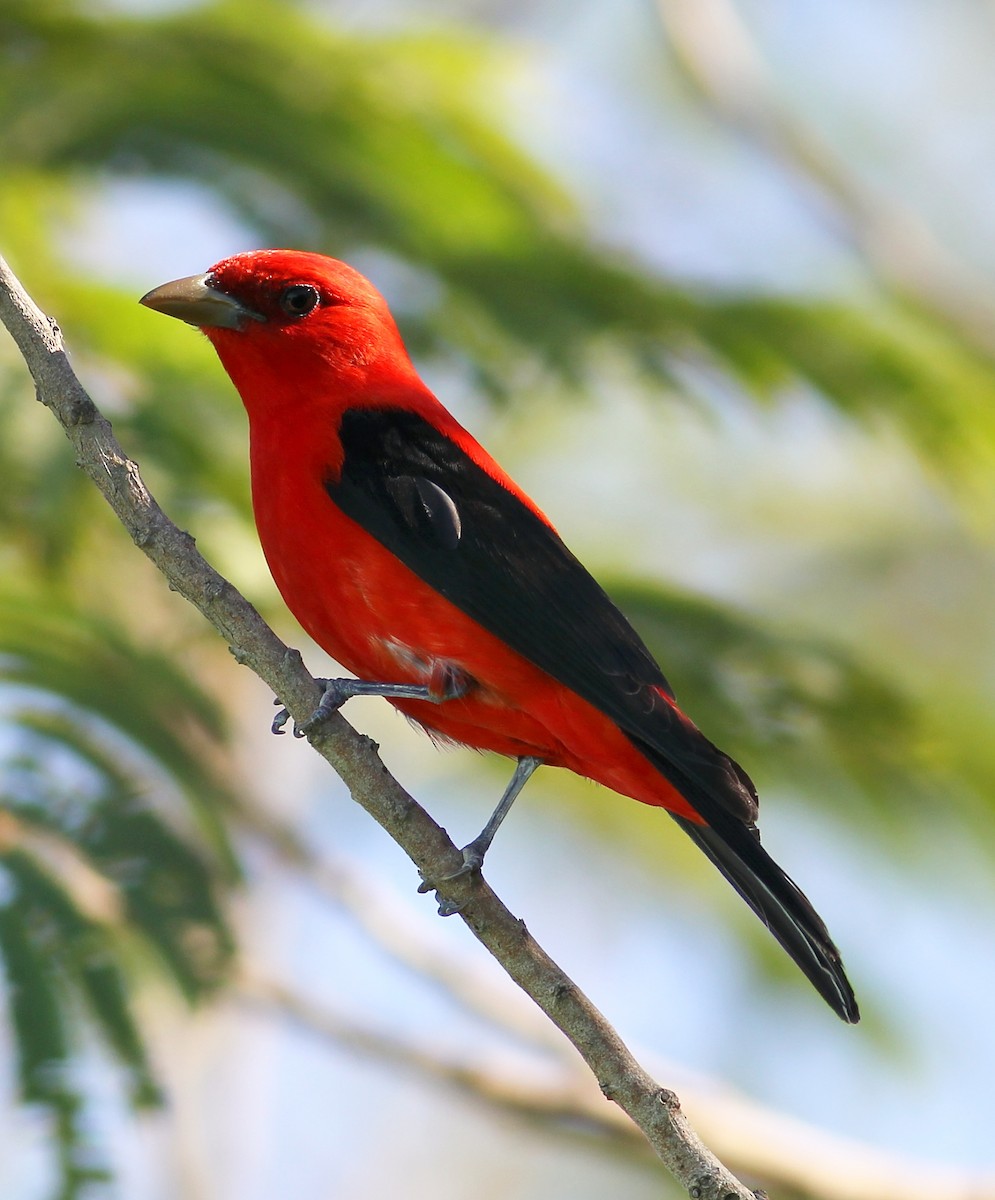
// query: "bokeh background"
[[715, 282]]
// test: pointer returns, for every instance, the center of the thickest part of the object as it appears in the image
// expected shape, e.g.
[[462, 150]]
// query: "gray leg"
[[335, 692], [473, 852]]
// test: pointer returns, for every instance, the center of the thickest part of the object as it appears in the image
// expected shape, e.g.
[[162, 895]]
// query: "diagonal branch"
[[797, 1157], [393, 927], [541, 1093], [354, 757]]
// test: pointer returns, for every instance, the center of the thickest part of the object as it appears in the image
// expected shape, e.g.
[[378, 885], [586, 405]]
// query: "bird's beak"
[[194, 300]]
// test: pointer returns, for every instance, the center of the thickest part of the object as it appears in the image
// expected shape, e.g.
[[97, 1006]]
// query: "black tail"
[[734, 847]]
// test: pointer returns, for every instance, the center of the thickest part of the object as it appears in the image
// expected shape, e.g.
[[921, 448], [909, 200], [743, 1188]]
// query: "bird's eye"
[[299, 299]]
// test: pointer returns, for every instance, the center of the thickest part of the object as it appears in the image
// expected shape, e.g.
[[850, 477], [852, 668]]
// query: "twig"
[[354, 757], [783, 1151]]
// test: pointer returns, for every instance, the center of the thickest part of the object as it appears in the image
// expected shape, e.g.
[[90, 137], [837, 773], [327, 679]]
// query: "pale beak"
[[194, 300]]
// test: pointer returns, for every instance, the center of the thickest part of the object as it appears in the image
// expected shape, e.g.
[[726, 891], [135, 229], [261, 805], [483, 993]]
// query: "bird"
[[414, 560]]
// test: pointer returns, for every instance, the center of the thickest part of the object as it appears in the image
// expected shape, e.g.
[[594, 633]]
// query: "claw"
[[448, 682], [332, 699], [473, 860], [334, 693]]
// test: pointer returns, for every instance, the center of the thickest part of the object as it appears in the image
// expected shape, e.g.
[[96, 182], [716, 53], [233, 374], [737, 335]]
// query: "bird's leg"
[[473, 852], [446, 682]]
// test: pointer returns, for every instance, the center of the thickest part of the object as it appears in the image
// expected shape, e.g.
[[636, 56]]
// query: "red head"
[[278, 318]]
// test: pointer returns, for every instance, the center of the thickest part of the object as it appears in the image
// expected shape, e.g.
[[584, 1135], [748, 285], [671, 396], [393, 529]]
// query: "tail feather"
[[734, 847]]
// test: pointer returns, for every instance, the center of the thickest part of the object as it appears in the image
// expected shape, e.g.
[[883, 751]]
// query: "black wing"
[[473, 541], [478, 545]]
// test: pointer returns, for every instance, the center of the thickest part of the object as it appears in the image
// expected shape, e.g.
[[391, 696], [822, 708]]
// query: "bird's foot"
[[473, 859], [333, 696], [473, 852], [446, 683]]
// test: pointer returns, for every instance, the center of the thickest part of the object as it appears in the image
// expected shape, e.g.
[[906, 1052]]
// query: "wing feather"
[[446, 514]]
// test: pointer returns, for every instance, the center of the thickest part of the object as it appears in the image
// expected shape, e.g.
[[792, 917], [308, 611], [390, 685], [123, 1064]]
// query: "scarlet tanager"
[[415, 561]]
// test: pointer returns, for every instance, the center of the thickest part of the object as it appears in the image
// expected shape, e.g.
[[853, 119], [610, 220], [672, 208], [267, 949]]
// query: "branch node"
[[707, 1183], [143, 536], [136, 488], [81, 412], [560, 990], [292, 658], [214, 589]]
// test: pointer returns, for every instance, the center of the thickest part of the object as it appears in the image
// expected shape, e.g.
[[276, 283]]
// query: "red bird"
[[411, 557]]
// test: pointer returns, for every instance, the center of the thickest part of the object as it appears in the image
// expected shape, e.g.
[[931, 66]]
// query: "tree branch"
[[353, 756], [783, 1151], [388, 921], [536, 1091]]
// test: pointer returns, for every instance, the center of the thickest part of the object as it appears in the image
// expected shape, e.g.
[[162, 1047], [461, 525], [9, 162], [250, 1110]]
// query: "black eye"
[[299, 299]]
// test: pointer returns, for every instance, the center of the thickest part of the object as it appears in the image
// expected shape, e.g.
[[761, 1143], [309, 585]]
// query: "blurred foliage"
[[105, 812], [803, 708], [348, 142], [114, 749]]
